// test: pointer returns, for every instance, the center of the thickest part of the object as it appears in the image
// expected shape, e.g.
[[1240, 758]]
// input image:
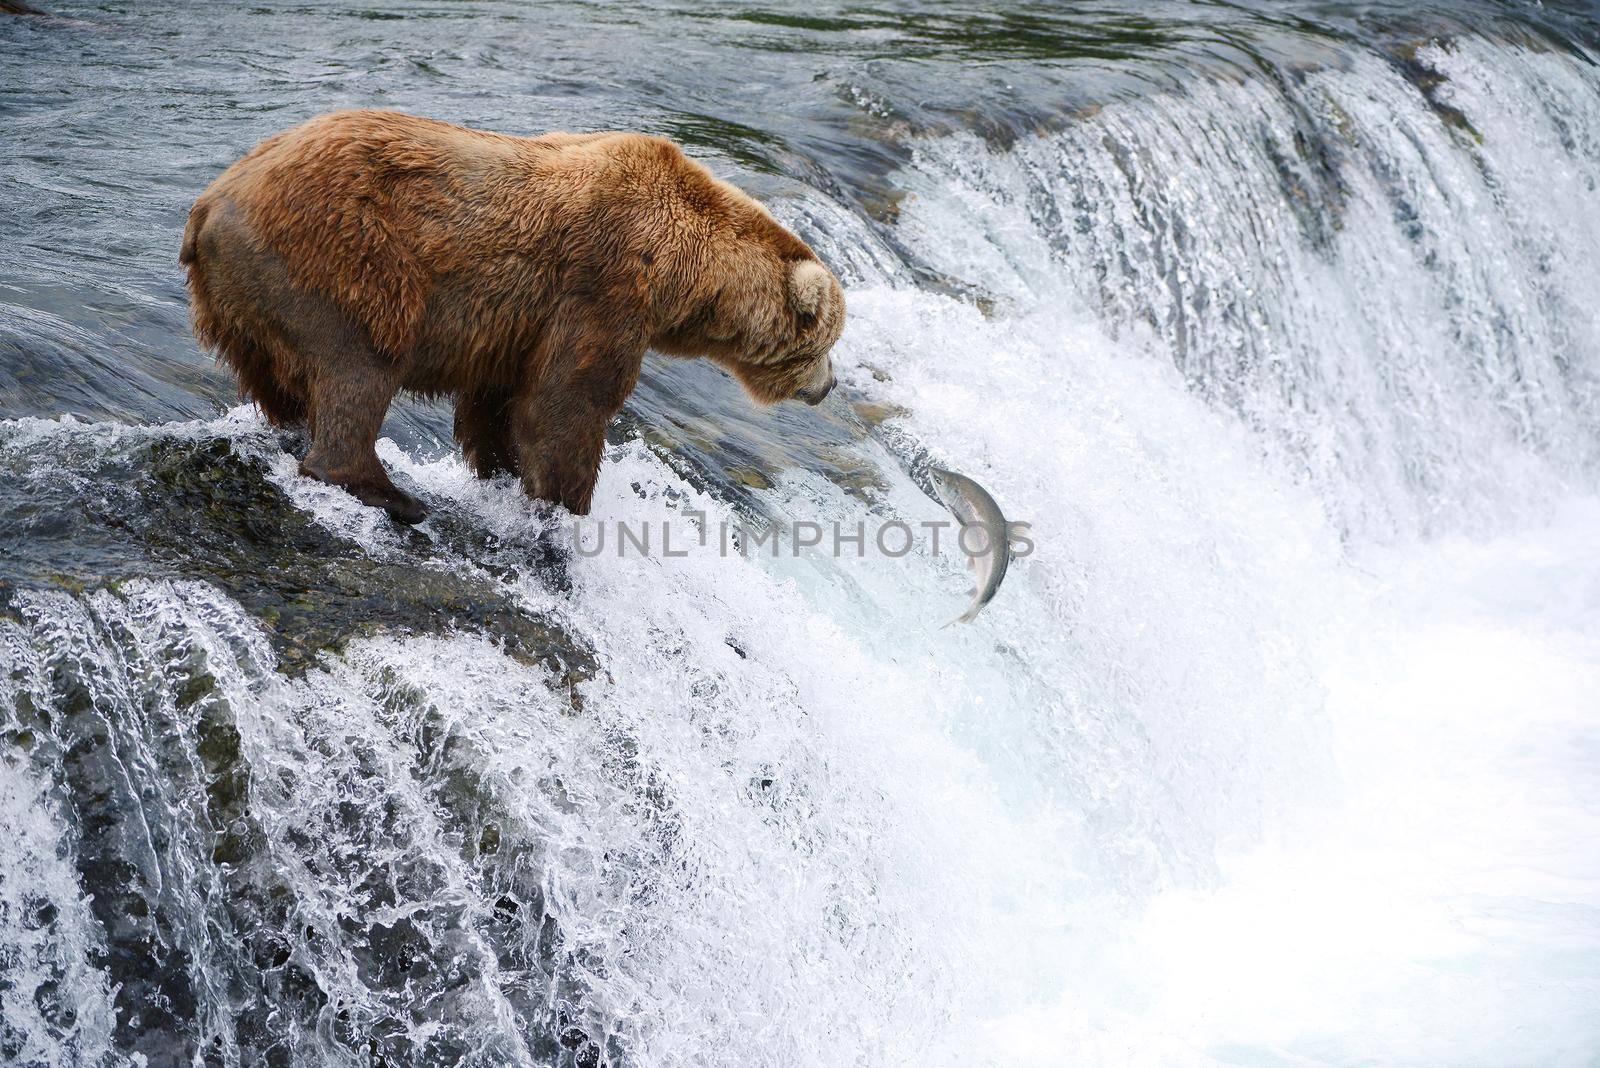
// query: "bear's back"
[[381, 211]]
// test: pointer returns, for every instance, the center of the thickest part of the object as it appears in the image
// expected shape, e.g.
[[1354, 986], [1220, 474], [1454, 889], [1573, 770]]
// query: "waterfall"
[[1389, 279], [1295, 374]]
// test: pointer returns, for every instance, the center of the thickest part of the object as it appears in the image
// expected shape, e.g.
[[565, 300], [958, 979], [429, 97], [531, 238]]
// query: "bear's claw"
[[403, 508], [400, 505]]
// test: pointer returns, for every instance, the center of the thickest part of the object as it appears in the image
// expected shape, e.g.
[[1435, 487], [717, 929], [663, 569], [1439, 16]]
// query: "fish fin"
[[965, 617], [972, 563], [1022, 525]]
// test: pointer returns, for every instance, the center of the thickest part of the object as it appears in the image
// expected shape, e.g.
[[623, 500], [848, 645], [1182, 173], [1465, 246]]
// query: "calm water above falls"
[[1279, 322]]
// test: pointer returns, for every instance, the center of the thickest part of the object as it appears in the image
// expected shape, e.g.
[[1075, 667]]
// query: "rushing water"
[[1280, 324]]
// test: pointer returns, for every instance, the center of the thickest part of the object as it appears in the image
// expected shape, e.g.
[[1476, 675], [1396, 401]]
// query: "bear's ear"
[[808, 286]]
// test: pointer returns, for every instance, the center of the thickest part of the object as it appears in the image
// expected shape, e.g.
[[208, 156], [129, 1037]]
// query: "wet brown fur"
[[368, 252]]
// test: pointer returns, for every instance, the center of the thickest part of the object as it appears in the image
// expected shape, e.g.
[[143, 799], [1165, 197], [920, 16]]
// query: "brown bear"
[[368, 252]]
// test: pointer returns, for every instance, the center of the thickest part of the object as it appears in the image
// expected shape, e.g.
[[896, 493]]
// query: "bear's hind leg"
[[483, 427], [348, 403], [240, 295]]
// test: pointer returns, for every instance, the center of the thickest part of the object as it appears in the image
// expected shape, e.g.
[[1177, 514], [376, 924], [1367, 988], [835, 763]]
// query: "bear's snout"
[[814, 394]]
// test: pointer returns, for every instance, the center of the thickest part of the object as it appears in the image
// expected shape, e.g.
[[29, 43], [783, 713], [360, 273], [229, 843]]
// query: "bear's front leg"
[[559, 448], [559, 426], [483, 427]]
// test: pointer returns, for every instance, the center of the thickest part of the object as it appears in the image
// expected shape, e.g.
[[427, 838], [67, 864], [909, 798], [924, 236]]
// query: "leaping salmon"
[[972, 505]]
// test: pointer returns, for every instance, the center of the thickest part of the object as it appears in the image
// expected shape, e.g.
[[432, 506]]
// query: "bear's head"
[[771, 323], [794, 359], [728, 282]]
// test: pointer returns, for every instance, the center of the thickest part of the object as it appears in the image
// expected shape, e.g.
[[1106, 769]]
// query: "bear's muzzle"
[[816, 391]]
